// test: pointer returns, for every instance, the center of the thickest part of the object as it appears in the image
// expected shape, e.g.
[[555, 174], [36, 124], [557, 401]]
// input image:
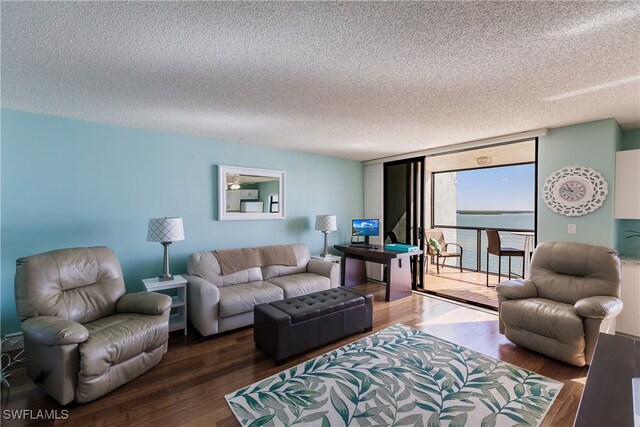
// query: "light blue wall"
[[629, 246], [590, 144], [69, 183]]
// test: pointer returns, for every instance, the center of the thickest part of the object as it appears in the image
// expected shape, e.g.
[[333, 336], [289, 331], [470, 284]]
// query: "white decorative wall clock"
[[575, 190]]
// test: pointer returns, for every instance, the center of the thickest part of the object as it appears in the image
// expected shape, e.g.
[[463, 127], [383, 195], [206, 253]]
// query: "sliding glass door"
[[404, 208]]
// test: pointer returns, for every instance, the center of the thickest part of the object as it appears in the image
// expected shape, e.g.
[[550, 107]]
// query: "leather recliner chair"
[[572, 295], [83, 337]]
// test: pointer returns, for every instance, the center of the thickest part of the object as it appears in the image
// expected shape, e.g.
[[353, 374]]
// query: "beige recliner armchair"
[[572, 295], [83, 337]]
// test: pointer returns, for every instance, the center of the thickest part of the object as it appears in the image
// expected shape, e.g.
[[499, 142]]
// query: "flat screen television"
[[365, 227]]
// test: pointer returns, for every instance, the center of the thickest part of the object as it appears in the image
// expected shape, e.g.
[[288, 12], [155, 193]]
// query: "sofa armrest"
[[517, 289], [203, 299], [49, 330], [144, 303], [327, 269], [598, 307]]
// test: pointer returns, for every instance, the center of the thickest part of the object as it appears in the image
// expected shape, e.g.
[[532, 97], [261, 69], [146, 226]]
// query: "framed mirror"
[[247, 193]]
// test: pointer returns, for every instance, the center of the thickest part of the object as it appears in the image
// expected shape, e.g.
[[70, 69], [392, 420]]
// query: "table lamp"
[[165, 230], [326, 224]]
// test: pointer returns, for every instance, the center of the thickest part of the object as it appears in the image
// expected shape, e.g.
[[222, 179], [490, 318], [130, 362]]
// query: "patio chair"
[[443, 251], [494, 247]]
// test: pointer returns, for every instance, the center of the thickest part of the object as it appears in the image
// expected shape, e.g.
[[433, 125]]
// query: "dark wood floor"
[[189, 385]]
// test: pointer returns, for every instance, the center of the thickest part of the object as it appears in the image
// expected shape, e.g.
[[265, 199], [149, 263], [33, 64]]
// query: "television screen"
[[365, 227]]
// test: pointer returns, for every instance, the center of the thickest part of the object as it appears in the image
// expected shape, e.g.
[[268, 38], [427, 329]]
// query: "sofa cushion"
[[119, 348], [294, 285], [78, 284], [242, 298], [570, 271], [205, 264], [543, 317], [302, 256], [118, 338]]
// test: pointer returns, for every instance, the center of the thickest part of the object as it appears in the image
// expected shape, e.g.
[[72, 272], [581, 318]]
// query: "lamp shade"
[[167, 229], [326, 223]]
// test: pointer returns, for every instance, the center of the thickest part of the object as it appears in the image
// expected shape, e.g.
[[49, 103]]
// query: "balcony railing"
[[474, 242]]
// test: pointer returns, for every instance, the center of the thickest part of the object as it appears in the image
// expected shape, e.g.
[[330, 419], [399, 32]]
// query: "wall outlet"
[[571, 229]]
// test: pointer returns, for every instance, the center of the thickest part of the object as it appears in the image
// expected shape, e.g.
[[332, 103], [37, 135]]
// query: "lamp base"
[[166, 275], [325, 253]]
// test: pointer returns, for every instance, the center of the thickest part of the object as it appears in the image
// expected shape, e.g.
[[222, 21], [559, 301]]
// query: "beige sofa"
[[220, 302]]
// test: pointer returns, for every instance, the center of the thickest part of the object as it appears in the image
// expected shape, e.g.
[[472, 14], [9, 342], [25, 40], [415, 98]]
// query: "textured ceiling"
[[358, 80]]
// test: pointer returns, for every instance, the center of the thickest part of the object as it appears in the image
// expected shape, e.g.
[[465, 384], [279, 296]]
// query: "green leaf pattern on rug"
[[398, 376]]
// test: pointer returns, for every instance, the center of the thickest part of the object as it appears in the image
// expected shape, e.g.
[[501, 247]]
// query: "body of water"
[[468, 238]]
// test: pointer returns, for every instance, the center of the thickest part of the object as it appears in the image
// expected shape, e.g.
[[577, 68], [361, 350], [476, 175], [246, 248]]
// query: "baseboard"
[[623, 334], [12, 342]]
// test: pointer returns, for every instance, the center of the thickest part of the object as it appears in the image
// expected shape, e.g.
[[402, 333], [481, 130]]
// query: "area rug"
[[398, 376]]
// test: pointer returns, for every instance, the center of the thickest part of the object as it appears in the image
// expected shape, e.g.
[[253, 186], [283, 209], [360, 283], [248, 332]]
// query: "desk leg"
[[398, 279], [355, 272]]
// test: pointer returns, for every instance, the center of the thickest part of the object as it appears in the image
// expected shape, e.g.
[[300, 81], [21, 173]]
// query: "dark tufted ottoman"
[[294, 325]]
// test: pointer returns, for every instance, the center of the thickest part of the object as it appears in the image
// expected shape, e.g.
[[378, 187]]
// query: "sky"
[[497, 188]]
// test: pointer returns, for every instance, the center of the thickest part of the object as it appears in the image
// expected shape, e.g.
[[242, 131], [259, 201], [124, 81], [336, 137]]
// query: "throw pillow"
[[435, 246]]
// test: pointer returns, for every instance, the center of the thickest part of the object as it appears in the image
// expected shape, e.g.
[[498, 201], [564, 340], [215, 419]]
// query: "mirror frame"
[[223, 215]]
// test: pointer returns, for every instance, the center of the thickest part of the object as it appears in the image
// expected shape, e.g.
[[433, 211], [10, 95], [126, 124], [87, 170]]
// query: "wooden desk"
[[607, 398], [398, 264]]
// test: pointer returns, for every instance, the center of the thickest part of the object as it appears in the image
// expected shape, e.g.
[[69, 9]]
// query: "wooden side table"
[[178, 317]]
